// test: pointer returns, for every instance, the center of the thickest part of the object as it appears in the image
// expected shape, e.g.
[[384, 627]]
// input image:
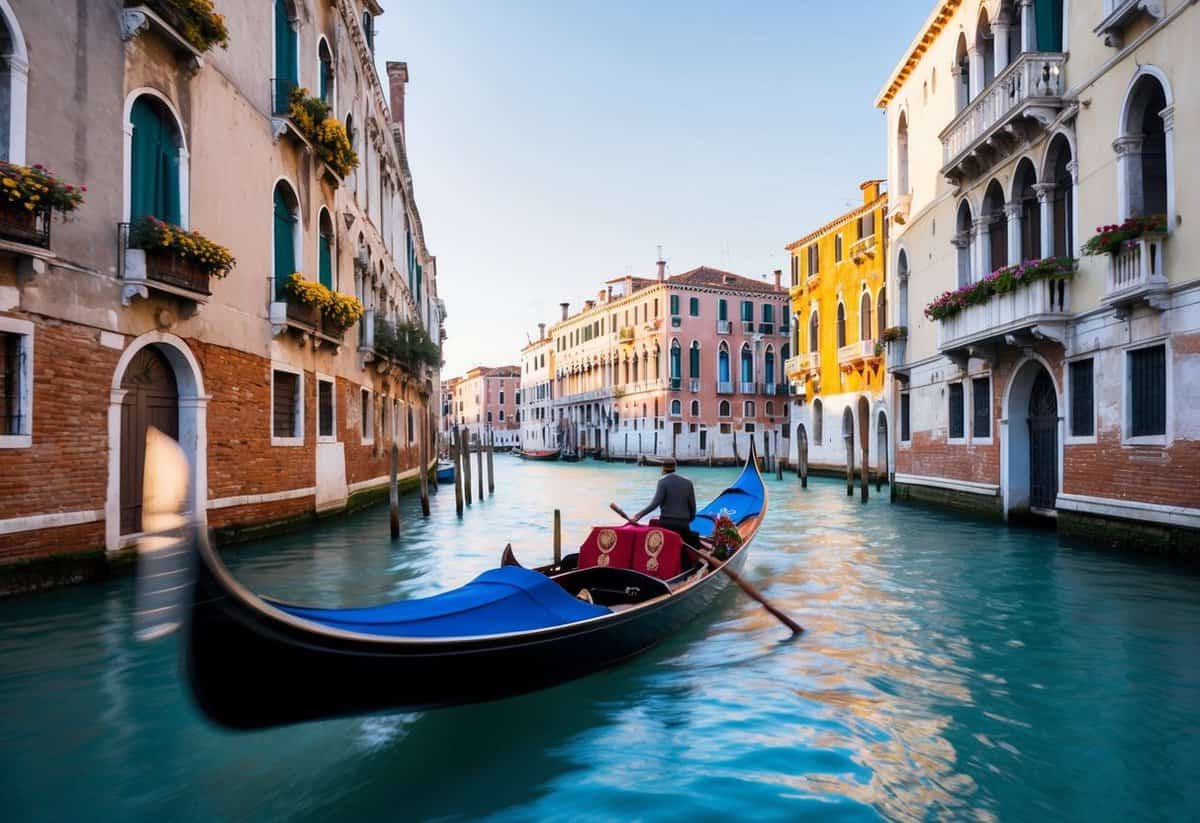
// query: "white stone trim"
[[53, 520], [256, 499], [1130, 510], [1167, 437], [25, 328], [18, 92], [332, 381], [295, 440], [969, 486], [382, 480]]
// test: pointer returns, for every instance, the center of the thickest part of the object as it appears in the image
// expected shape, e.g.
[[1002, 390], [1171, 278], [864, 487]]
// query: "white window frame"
[[295, 440], [749, 409], [966, 395], [1083, 439], [907, 443], [366, 424], [324, 378], [1167, 437], [25, 329], [978, 441]]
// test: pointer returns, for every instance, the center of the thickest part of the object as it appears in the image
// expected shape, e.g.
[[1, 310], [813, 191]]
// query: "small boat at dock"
[[445, 471], [538, 454]]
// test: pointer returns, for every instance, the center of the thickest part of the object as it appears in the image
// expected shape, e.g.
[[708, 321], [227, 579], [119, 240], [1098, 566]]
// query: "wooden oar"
[[734, 576]]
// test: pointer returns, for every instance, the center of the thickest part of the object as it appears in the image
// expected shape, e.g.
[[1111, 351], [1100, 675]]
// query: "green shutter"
[[325, 263], [285, 250], [722, 310], [1049, 20], [154, 167], [694, 363], [285, 56], [674, 304], [325, 80]]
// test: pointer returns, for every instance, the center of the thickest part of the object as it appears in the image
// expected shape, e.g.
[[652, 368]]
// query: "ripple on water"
[[951, 669]]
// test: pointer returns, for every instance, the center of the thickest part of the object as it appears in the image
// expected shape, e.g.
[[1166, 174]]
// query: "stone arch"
[[15, 54], [964, 224], [992, 211], [1058, 175], [1144, 147], [193, 426], [818, 420], [1016, 439], [127, 152], [1023, 196]]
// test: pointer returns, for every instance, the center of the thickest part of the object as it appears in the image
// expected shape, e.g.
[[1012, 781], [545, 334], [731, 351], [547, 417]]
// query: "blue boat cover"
[[744, 499], [507, 599]]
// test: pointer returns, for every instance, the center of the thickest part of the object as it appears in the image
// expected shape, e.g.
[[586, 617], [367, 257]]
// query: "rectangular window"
[[285, 405], [1083, 419], [502, 397], [747, 311], [502, 415], [866, 225], [1148, 391], [674, 305], [726, 428], [905, 430], [795, 270], [956, 410], [749, 427], [368, 417], [768, 313], [814, 259], [981, 406], [16, 384], [837, 249], [722, 310], [694, 306], [325, 426]]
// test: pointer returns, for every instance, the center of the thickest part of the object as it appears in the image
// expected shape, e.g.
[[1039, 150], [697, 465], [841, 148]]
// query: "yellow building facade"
[[839, 306]]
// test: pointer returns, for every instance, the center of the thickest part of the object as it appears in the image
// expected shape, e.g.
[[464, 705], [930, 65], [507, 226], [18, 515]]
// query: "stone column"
[[976, 74], [1000, 54], [1028, 26], [1013, 212], [961, 99], [1045, 196], [962, 245], [1168, 119], [1130, 196], [1073, 170], [982, 246]]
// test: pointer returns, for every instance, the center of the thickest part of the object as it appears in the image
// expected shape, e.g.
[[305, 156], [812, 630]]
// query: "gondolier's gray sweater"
[[675, 498]]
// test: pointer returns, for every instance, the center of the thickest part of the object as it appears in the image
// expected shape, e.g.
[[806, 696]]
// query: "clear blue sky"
[[554, 145]]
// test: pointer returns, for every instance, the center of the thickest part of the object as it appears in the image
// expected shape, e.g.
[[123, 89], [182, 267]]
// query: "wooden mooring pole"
[[557, 537], [491, 468], [464, 440], [849, 441], [864, 438], [479, 465], [423, 457], [394, 492], [456, 459], [431, 432]]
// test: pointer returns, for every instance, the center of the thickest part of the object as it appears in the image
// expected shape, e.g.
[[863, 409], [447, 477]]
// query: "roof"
[[937, 20], [878, 202], [718, 279]]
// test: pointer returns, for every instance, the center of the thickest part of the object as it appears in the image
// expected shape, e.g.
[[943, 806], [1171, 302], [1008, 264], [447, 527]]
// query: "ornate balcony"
[[1038, 311], [766, 328], [857, 354], [747, 327], [1137, 274], [694, 385], [747, 388], [159, 270], [24, 227], [724, 387], [675, 383], [800, 366], [723, 327], [1024, 99], [863, 248], [160, 17], [625, 335]]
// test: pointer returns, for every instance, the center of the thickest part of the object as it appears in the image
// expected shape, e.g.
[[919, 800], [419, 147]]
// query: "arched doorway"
[[883, 451], [848, 440], [1031, 472], [151, 399]]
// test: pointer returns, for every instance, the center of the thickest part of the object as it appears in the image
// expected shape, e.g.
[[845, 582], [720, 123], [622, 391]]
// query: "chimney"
[[541, 331], [397, 79], [610, 292], [588, 305], [564, 307], [778, 279], [662, 270], [628, 285], [870, 190]]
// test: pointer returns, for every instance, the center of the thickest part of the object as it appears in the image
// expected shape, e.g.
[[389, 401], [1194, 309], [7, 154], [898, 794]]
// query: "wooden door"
[[1043, 443], [151, 399]]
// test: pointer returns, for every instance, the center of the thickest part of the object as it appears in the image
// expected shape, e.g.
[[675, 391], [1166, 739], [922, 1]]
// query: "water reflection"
[[951, 670]]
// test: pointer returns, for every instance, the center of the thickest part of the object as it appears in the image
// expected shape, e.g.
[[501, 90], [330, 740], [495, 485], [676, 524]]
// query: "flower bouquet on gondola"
[[726, 537]]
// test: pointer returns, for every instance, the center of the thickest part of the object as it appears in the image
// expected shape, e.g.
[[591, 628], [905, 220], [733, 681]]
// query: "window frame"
[[988, 438], [904, 412], [366, 416], [962, 437], [294, 440], [1127, 436], [332, 383], [1069, 401], [25, 396]]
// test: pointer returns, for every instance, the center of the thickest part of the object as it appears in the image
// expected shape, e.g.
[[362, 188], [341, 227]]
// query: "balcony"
[[676, 321], [1124, 14], [747, 327], [1137, 274], [857, 355], [1038, 311], [694, 385], [747, 388], [724, 327], [724, 387], [626, 335], [800, 366], [1022, 101], [160, 270], [766, 328], [24, 227], [675, 383], [162, 18], [863, 248]]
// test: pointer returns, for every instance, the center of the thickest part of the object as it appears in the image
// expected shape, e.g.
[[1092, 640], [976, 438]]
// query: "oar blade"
[[164, 551]]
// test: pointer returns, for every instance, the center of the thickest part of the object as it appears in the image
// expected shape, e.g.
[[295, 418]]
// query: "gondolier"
[[675, 498]]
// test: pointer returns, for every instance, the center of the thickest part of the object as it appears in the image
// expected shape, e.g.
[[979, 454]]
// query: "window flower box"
[[168, 258]]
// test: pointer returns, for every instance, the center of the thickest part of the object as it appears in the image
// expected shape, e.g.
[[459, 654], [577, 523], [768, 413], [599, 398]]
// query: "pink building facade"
[[689, 366], [484, 400]]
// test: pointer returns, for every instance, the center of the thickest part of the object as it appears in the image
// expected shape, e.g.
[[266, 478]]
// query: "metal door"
[[151, 399], [1043, 443]]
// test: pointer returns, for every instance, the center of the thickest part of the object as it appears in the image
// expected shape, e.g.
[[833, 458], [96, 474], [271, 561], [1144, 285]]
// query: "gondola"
[[254, 662], [445, 471], [538, 454]]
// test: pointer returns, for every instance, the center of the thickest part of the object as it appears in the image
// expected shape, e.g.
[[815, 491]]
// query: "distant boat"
[[539, 454], [253, 662], [445, 471]]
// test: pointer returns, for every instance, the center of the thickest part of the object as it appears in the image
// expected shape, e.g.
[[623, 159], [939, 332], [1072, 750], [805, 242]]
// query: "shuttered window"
[[324, 408], [286, 389], [368, 417], [1083, 420], [284, 242], [674, 305], [905, 431], [154, 163], [1148, 391], [956, 409], [981, 419], [694, 306], [837, 249], [325, 259]]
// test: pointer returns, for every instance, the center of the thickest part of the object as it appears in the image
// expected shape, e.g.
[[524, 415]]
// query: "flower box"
[[22, 225], [173, 269]]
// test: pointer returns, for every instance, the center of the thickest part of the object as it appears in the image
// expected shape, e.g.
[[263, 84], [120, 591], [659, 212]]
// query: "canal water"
[[952, 669]]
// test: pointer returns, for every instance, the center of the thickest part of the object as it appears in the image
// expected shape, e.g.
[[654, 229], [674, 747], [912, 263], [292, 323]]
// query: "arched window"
[[769, 367], [983, 46], [286, 237], [841, 325], [785, 352], [748, 408], [881, 313], [814, 332], [1025, 195], [14, 84], [747, 360], [368, 25], [695, 408], [723, 363], [962, 83], [962, 242], [1062, 197], [997, 228], [325, 252], [723, 409], [770, 408], [902, 155], [287, 67], [864, 316], [1142, 149], [676, 360], [902, 278], [635, 367], [325, 71], [676, 408], [155, 173], [818, 422], [694, 361]]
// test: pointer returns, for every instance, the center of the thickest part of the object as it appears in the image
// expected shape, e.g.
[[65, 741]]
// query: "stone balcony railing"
[[747, 387], [724, 387], [863, 248], [723, 327], [854, 354], [1037, 311], [626, 334], [1137, 274], [799, 366], [694, 385], [1024, 99]]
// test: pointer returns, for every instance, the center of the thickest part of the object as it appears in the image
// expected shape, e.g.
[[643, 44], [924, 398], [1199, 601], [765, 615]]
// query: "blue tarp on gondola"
[[508, 599], [742, 500]]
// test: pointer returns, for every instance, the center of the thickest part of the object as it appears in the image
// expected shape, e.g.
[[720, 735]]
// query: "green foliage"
[[406, 344]]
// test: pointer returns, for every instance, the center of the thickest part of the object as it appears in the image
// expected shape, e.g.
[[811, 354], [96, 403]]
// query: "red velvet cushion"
[[657, 552], [607, 546]]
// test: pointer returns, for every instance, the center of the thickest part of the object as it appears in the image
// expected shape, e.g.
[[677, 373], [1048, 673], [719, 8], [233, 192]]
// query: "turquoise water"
[[952, 669]]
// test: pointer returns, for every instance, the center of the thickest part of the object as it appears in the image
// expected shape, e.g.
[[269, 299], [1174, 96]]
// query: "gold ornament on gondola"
[[606, 541], [654, 547]]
